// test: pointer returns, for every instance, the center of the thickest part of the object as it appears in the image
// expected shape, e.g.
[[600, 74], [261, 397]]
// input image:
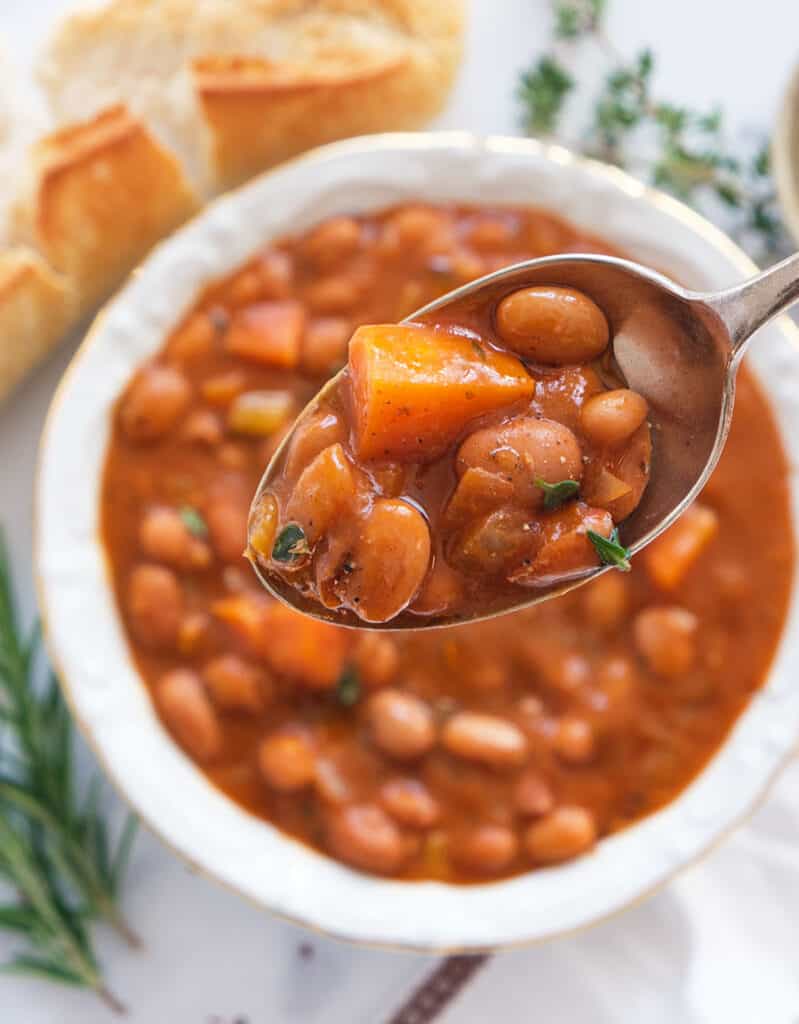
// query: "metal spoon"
[[680, 349]]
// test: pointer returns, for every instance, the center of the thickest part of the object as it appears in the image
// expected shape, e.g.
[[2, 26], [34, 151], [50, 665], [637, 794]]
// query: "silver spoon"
[[679, 349]]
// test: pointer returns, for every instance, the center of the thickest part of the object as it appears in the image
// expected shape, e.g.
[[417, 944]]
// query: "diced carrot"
[[670, 557], [223, 388], [269, 333], [295, 645], [567, 550], [415, 388], [244, 614]]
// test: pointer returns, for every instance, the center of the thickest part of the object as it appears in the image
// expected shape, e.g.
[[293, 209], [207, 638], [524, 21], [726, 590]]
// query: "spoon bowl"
[[677, 348]]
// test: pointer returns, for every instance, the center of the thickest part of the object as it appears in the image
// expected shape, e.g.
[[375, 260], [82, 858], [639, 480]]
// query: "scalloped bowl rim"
[[87, 643]]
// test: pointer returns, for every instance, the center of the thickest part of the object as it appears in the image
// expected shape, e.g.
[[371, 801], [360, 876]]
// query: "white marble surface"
[[718, 945]]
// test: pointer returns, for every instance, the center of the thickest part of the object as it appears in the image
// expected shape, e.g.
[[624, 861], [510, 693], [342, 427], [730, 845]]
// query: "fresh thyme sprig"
[[55, 851], [683, 151]]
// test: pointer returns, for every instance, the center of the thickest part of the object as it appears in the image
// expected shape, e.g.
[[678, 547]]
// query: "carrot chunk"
[[415, 388], [312, 652], [669, 558], [269, 333]]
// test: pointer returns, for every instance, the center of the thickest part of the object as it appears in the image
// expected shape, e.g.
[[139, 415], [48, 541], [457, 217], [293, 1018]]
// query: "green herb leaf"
[[348, 688], [543, 91], [291, 544], [556, 494], [193, 522], [55, 853], [610, 551]]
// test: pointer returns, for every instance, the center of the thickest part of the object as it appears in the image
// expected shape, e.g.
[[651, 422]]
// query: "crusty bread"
[[235, 86], [35, 310], [101, 193], [159, 99]]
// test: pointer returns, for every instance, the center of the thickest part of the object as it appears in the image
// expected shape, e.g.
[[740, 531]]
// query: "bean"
[[287, 761], [154, 402], [402, 725], [195, 633], [521, 451], [532, 796], [275, 271], [312, 435], [665, 638], [392, 555], [331, 242], [487, 739], [155, 606], [189, 713], [324, 493], [164, 537], [496, 543], [613, 417], [376, 659], [562, 834], [574, 740], [236, 684], [324, 346], [226, 516], [364, 836], [440, 591], [409, 802], [202, 428], [331, 295], [487, 849], [606, 602], [552, 325], [614, 697]]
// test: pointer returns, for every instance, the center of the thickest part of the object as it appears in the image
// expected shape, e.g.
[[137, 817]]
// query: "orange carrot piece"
[[415, 388], [670, 557], [269, 333], [312, 652]]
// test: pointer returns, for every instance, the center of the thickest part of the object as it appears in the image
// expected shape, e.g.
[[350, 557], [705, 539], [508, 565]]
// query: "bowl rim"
[[549, 152], [785, 153]]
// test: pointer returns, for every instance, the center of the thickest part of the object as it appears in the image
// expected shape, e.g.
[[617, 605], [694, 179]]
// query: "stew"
[[495, 449], [467, 754]]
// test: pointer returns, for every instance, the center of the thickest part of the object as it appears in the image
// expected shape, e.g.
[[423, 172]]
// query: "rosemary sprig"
[[681, 150], [55, 851]]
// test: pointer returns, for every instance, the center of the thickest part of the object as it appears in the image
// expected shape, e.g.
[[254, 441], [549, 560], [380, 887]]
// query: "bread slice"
[[101, 193], [235, 86], [35, 309]]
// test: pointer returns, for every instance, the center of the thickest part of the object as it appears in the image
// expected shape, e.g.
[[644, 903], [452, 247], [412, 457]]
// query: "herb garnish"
[[679, 149], [348, 688], [193, 521], [610, 550], [556, 494], [56, 856], [291, 544]]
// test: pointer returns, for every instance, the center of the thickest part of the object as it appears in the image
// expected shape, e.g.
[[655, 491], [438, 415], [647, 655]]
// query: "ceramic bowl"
[[785, 155], [86, 638]]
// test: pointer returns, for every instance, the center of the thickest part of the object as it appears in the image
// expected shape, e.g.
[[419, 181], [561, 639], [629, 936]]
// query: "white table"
[[718, 945]]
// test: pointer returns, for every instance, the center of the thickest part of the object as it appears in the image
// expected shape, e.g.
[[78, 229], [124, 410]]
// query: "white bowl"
[[85, 635]]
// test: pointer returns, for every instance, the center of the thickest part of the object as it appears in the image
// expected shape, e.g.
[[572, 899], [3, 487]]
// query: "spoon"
[[678, 348]]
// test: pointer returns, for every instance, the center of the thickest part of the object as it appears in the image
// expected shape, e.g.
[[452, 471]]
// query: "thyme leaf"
[[193, 521], [610, 551], [291, 544], [348, 688], [557, 494]]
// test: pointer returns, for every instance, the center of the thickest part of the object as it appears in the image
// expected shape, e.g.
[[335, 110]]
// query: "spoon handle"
[[748, 306]]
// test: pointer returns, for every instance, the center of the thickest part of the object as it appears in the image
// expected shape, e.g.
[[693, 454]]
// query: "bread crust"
[[36, 307], [102, 193]]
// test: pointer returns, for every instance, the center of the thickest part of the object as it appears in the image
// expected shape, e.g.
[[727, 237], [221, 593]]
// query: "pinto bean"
[[561, 835], [189, 713], [164, 537], [377, 660], [532, 795], [155, 606], [487, 739], [287, 760], [236, 684], [364, 836], [553, 325], [614, 416], [487, 849], [402, 725], [154, 402], [409, 802], [574, 740], [666, 639]]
